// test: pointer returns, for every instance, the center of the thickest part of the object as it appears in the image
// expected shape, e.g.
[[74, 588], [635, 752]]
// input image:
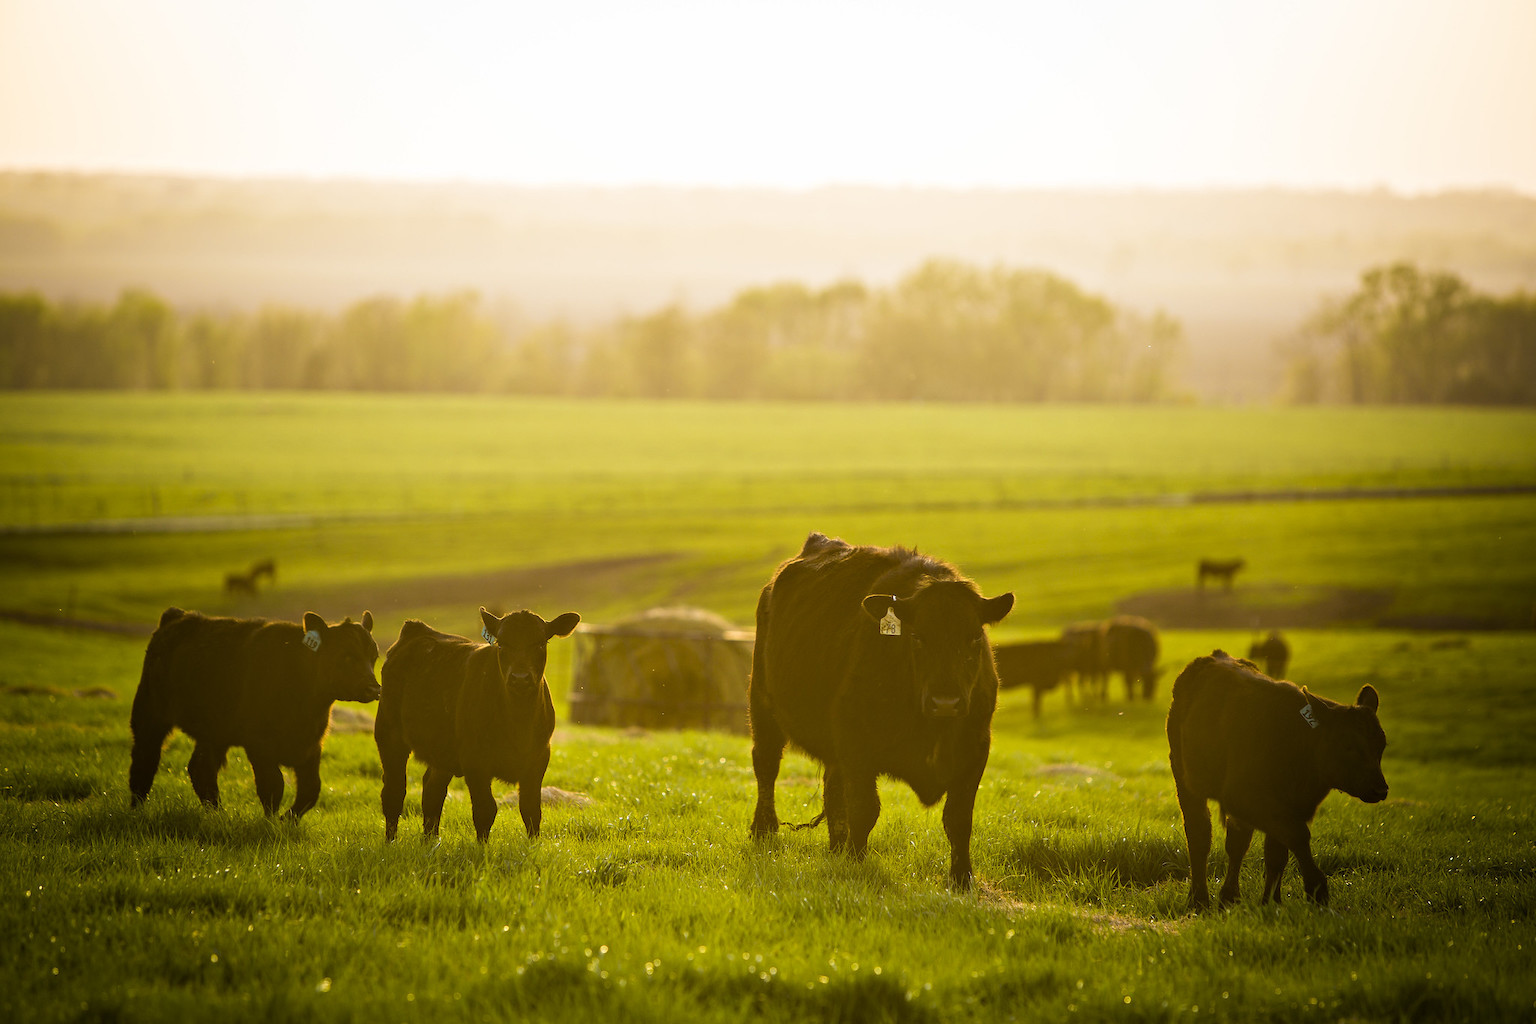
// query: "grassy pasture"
[[650, 903]]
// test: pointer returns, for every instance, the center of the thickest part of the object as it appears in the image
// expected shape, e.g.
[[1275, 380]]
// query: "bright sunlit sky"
[[1410, 95]]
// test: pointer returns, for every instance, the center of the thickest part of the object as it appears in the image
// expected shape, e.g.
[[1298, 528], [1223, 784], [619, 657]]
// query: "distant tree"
[[1407, 335]]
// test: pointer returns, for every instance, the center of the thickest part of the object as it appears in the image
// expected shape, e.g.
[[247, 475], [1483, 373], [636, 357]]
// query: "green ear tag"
[[312, 640], [488, 635], [890, 625], [1306, 712]]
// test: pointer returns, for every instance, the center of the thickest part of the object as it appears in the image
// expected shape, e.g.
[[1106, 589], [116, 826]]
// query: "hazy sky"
[[1411, 95]]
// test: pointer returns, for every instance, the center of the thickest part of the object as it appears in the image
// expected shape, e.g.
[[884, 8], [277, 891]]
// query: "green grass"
[[651, 903]]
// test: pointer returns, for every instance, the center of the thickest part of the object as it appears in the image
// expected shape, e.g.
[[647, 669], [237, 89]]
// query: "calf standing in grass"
[[1040, 665], [874, 661], [1275, 652], [264, 686], [1130, 648], [1268, 752], [1085, 641], [482, 711]]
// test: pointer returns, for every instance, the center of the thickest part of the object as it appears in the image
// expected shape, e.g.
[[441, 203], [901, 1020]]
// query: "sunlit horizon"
[[1413, 98]]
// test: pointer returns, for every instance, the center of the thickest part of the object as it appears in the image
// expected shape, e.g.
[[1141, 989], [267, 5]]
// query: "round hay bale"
[[664, 668]]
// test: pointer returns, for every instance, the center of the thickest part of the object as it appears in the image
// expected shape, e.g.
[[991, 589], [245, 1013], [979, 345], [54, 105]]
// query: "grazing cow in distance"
[[1275, 652], [874, 661], [1040, 665], [239, 583], [480, 710], [1130, 648], [1268, 752], [1086, 642], [1223, 571], [266, 567], [265, 686]]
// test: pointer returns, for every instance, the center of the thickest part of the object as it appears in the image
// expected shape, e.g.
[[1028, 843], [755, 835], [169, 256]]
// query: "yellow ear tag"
[[312, 640], [890, 625]]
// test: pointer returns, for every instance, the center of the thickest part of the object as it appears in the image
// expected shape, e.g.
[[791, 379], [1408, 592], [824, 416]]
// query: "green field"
[[650, 903]]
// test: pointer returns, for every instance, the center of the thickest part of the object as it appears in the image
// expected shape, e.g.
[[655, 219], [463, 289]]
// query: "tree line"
[[1409, 335], [946, 331]]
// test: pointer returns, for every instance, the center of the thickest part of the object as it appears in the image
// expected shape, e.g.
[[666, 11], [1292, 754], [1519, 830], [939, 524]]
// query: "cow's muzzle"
[[944, 707]]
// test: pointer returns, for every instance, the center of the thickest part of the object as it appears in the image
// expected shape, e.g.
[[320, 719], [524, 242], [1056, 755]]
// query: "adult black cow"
[[1268, 752], [874, 661]]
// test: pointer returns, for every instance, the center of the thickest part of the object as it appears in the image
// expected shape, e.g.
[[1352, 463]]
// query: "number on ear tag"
[[490, 637], [1306, 712], [312, 640], [890, 625]]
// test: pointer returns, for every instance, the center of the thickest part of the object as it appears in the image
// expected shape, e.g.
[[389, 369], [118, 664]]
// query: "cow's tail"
[[808, 824]]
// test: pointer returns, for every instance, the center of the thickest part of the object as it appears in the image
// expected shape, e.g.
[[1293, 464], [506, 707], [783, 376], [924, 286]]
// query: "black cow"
[[480, 710], [265, 686], [875, 662], [1268, 752]]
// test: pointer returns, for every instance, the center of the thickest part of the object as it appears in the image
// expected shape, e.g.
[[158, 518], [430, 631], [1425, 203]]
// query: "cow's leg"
[[1275, 856], [149, 733], [767, 753], [1197, 834], [834, 804], [1239, 836], [203, 769], [959, 808], [306, 785], [1039, 697], [269, 779], [482, 803], [530, 793], [1298, 839], [861, 798], [434, 790], [1130, 685], [393, 756]]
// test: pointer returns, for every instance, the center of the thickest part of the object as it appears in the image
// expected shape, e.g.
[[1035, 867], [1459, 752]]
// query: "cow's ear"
[[876, 605], [561, 625], [994, 609], [313, 622], [1368, 697], [368, 621], [491, 622]]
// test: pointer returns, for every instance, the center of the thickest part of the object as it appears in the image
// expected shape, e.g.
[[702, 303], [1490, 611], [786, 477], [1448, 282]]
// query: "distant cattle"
[[1223, 571], [1130, 648], [1085, 640], [480, 710], [875, 662], [265, 686], [239, 583], [1268, 752], [1275, 652], [266, 567], [1040, 665]]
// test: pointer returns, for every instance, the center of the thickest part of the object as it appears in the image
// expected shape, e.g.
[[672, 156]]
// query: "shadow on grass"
[[1141, 861], [115, 822], [553, 989], [51, 784]]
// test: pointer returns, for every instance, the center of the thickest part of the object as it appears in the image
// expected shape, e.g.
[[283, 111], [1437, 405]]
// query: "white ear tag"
[[490, 638], [1306, 712], [890, 625], [312, 640]]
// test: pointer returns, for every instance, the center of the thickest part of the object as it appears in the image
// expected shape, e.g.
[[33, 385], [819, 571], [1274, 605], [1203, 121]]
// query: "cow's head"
[[521, 640], [346, 653], [1352, 741], [941, 629]]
